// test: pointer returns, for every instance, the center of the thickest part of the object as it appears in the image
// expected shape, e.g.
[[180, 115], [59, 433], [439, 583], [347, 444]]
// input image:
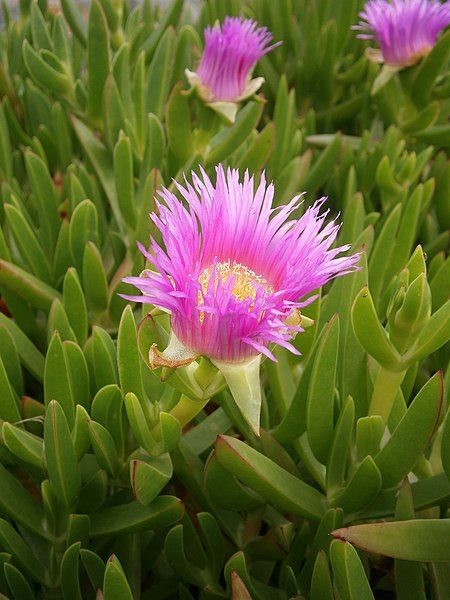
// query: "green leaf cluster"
[[103, 490]]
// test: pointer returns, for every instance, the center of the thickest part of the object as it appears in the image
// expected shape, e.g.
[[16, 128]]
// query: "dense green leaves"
[[122, 481]]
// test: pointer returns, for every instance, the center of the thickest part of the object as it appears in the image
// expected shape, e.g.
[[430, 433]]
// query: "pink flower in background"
[[405, 30], [234, 270], [231, 51]]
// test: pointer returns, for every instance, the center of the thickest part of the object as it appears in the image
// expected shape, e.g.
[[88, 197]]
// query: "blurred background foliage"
[[93, 119]]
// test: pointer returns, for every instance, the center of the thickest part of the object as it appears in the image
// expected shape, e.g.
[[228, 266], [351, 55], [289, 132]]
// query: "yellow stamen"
[[246, 281]]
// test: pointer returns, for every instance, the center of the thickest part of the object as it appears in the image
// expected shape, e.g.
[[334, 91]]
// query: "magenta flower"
[[235, 271], [231, 51], [405, 30]]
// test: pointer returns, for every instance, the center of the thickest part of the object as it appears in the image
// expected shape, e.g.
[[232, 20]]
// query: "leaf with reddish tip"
[[265, 477], [424, 540]]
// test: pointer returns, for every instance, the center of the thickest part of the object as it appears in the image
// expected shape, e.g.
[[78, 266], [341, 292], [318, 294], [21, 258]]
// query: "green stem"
[[187, 409], [387, 384]]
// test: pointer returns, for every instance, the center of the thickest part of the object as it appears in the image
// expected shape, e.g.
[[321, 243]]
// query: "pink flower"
[[405, 30], [234, 270], [231, 51]]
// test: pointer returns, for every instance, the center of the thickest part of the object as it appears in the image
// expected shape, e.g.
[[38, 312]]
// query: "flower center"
[[246, 282]]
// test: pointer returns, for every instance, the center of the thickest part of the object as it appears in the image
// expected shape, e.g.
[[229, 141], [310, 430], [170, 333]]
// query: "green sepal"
[[244, 383]]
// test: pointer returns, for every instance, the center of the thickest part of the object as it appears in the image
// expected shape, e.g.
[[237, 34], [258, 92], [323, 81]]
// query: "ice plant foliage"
[[235, 271], [231, 51], [405, 30]]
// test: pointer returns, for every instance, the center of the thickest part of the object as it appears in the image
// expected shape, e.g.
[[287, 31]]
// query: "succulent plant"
[[122, 477]]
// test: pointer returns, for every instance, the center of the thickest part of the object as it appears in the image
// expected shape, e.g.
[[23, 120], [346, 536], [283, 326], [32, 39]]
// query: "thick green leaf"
[[70, 584], [104, 448], [340, 448], [17, 583], [105, 358], [11, 359], [107, 409], [435, 334], [423, 540], [230, 139], [159, 74], [225, 490], [75, 305], [115, 584], [27, 286], [45, 196], [127, 518], [9, 406], [11, 541], [42, 73], [320, 400], [128, 357], [57, 379], [370, 332], [100, 159], [73, 17], [60, 457], [321, 585], [412, 435], [148, 477], [94, 566], [26, 446], [83, 228], [123, 174], [348, 572], [268, 479], [179, 129], [18, 504], [28, 244], [362, 488], [97, 59], [409, 582], [429, 69], [94, 279]]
